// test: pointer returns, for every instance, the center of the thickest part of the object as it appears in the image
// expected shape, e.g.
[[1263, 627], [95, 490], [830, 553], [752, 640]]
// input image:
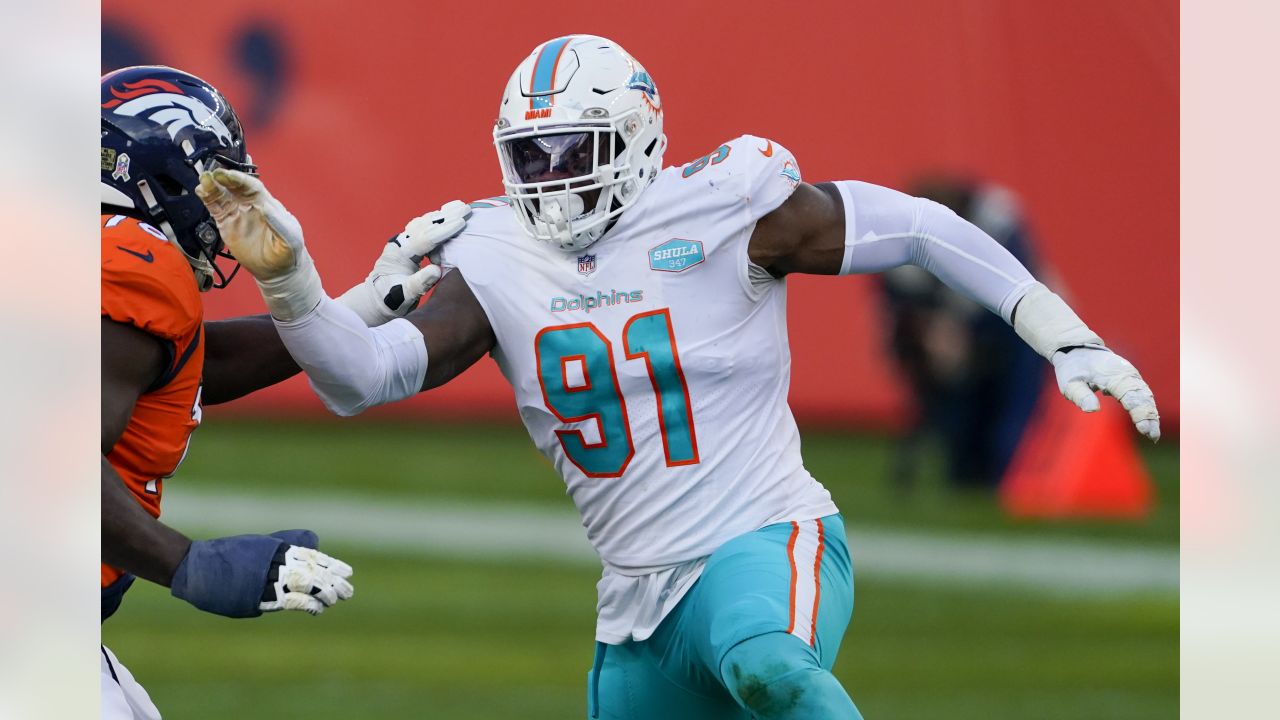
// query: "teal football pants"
[[755, 637]]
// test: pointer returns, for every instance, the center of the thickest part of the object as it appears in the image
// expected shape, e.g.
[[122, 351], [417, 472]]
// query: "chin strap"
[[200, 266]]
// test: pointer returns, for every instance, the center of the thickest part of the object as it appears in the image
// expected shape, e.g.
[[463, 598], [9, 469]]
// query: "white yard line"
[[511, 531]]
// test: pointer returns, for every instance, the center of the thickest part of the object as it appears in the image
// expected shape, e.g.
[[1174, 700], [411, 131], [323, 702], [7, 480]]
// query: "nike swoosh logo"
[[144, 258], [767, 151]]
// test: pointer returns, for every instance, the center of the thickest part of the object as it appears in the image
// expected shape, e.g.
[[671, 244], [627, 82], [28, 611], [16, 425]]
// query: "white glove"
[[265, 238], [396, 283], [310, 581], [1082, 370]]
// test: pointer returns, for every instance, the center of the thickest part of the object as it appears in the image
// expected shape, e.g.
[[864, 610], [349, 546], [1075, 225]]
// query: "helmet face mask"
[[161, 128], [564, 185], [579, 136]]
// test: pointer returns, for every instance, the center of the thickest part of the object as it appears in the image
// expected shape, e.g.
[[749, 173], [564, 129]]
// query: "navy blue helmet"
[[161, 128]]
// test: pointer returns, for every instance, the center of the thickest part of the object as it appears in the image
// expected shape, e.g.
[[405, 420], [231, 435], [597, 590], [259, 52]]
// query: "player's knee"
[[775, 677], [767, 674], [770, 691]]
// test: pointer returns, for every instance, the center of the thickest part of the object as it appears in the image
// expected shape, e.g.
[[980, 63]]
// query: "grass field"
[[431, 636]]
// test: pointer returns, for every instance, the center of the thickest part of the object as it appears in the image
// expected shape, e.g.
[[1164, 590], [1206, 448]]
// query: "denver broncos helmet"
[[161, 128]]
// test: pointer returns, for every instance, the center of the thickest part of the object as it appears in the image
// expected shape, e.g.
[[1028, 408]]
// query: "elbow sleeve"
[[352, 367]]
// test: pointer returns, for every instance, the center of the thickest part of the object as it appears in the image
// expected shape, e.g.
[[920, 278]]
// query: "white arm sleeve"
[[885, 228], [352, 367]]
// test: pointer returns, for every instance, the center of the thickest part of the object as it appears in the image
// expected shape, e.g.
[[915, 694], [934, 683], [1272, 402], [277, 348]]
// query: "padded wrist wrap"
[[1044, 322]]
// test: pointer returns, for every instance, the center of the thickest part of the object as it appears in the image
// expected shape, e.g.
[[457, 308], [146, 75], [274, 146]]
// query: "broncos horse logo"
[[164, 103]]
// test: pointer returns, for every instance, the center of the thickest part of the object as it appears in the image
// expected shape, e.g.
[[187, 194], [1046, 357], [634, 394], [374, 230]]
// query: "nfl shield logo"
[[586, 264], [121, 171]]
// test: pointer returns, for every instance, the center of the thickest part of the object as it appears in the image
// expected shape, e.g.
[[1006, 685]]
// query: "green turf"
[[496, 462], [448, 639], [430, 638]]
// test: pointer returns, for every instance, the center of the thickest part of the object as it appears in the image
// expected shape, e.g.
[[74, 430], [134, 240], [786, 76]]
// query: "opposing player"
[[639, 314], [160, 249]]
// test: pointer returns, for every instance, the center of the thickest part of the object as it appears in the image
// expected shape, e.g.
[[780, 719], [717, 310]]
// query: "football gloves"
[[1080, 360], [303, 578], [266, 240], [397, 281], [1082, 370], [247, 575]]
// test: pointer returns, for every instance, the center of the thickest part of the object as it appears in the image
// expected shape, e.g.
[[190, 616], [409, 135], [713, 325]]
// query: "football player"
[[639, 313], [161, 128]]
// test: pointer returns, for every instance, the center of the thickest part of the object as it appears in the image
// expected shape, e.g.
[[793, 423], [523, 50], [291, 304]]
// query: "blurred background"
[[1013, 558]]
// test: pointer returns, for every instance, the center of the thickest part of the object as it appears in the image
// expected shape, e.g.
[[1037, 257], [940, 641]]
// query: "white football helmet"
[[579, 136]]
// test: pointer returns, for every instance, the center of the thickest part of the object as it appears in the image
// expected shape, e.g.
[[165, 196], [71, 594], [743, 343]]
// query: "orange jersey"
[[148, 283]]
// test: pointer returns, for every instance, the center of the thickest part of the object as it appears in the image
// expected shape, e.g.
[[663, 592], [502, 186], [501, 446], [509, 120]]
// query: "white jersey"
[[652, 369]]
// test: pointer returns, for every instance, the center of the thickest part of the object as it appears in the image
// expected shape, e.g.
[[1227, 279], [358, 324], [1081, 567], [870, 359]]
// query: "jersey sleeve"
[[748, 178], [766, 173], [147, 283]]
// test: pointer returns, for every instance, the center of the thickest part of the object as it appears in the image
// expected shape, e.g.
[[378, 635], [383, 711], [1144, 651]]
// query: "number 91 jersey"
[[653, 367]]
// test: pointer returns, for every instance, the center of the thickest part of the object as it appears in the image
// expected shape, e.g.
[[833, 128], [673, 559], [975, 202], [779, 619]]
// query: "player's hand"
[[262, 235], [424, 234], [246, 575], [397, 281], [306, 579], [266, 239], [1083, 370]]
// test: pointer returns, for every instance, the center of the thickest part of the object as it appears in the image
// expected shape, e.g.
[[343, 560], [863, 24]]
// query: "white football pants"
[[122, 697]]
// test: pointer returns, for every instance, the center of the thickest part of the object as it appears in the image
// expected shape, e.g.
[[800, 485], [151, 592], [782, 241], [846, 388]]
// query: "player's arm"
[[246, 354], [350, 366], [243, 355], [131, 538], [455, 330], [853, 227], [240, 576]]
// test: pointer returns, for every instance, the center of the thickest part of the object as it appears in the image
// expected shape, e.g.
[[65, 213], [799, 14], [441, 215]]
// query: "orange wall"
[[383, 111]]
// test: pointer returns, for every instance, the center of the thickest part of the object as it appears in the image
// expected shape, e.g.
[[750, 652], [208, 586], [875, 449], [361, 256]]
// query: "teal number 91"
[[649, 337]]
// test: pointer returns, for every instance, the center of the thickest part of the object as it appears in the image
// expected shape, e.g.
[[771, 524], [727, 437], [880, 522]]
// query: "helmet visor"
[[547, 158]]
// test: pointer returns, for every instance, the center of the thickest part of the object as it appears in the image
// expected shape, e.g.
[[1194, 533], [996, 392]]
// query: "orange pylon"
[[1072, 464]]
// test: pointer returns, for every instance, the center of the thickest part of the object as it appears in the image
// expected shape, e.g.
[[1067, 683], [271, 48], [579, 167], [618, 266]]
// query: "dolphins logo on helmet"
[[641, 81]]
